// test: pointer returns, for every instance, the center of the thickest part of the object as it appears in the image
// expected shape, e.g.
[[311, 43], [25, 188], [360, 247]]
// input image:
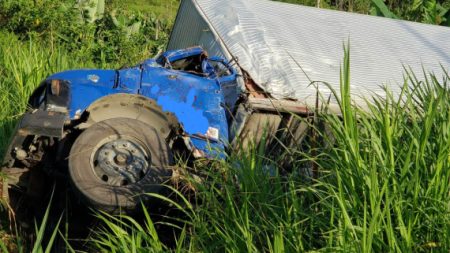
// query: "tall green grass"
[[124, 234], [39, 243], [383, 184], [23, 66], [386, 178]]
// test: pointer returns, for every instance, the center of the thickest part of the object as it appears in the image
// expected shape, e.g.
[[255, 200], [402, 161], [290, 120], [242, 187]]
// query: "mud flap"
[[43, 123]]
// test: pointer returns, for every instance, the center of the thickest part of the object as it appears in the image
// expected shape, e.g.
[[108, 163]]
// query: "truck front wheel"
[[113, 163]]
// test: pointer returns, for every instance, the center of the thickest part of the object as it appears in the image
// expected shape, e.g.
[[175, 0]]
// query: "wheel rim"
[[120, 161]]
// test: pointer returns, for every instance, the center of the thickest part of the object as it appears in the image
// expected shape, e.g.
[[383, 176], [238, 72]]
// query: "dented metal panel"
[[129, 79], [196, 102], [86, 86]]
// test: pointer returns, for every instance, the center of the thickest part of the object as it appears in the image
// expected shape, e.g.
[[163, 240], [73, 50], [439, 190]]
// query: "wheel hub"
[[121, 159], [121, 162]]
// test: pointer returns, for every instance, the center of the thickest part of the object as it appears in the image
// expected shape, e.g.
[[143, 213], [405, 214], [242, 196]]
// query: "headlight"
[[55, 87], [57, 98]]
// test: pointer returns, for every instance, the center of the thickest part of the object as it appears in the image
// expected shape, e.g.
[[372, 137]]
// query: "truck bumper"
[[43, 123], [37, 122]]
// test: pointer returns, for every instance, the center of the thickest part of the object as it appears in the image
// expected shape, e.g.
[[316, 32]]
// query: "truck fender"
[[132, 106]]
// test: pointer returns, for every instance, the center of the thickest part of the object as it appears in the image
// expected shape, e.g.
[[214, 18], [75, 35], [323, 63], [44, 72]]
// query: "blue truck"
[[113, 134], [117, 131]]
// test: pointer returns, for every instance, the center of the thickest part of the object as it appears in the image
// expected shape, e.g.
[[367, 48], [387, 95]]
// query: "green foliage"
[[23, 65], [91, 10], [40, 245], [380, 9], [122, 233], [36, 17], [113, 36], [435, 13], [161, 9], [425, 11]]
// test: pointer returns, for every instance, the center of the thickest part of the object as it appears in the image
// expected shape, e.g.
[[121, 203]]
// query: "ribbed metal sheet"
[[191, 29], [284, 47]]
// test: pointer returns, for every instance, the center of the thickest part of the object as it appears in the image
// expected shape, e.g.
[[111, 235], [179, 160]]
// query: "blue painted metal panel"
[[130, 79], [96, 77], [83, 95], [196, 101], [86, 86]]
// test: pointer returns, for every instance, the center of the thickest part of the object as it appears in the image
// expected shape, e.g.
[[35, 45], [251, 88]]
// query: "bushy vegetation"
[[384, 170], [111, 36], [23, 66], [427, 11]]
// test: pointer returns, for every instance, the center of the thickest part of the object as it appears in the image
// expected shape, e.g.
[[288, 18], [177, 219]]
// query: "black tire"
[[107, 195]]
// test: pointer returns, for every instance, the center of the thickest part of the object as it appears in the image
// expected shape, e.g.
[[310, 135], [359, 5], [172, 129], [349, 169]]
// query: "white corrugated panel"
[[191, 29], [284, 47]]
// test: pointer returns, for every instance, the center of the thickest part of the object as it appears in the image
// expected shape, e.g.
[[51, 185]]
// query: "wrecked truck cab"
[[113, 133]]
